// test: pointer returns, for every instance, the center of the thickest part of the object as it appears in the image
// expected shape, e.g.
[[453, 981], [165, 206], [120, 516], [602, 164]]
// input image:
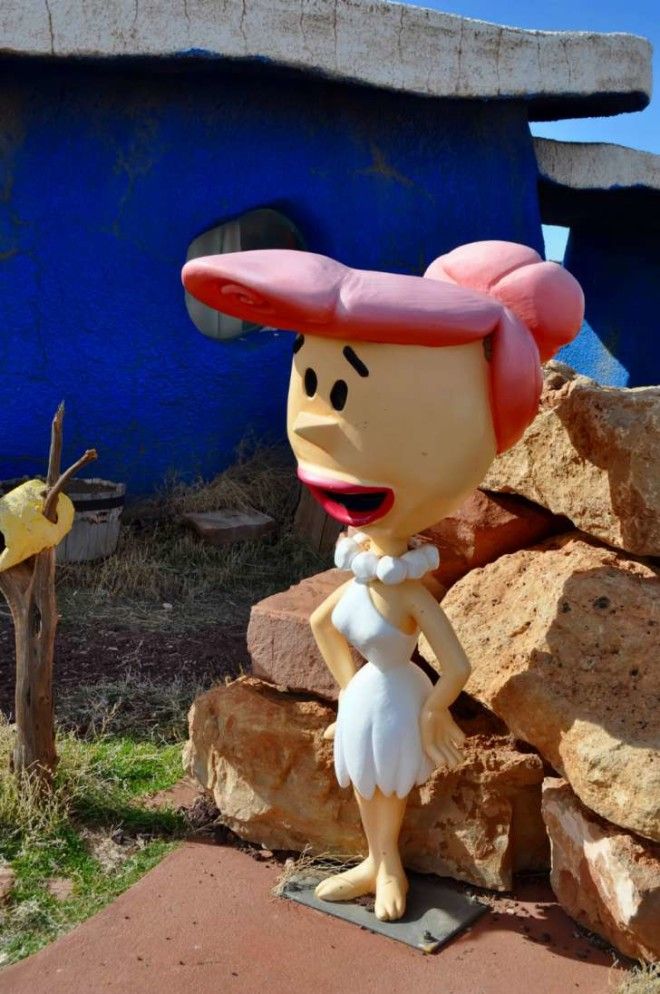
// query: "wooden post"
[[313, 524], [29, 589]]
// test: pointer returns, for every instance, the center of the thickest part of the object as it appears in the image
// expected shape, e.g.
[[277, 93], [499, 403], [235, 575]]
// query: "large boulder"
[[485, 527], [262, 753], [592, 454], [563, 641], [605, 878], [280, 640]]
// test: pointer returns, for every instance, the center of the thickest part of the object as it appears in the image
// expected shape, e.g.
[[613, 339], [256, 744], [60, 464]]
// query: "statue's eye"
[[311, 382], [338, 395]]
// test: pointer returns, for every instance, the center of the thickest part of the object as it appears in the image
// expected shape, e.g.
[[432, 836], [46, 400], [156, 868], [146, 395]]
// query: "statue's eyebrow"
[[355, 361], [298, 343]]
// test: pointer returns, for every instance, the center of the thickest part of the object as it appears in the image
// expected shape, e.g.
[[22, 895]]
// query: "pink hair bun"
[[543, 295]]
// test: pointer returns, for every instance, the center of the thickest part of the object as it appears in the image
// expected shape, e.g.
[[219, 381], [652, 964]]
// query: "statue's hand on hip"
[[442, 739], [329, 733]]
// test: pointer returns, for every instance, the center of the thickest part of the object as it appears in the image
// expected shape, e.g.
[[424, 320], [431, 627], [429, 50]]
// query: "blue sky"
[[640, 17]]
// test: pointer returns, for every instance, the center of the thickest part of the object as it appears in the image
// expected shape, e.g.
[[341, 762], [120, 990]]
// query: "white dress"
[[377, 736]]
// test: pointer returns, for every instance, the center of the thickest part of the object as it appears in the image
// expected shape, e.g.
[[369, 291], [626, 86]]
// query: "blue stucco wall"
[[618, 267], [108, 173]]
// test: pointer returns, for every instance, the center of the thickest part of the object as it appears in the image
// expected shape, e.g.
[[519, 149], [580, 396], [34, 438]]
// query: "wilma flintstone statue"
[[403, 389]]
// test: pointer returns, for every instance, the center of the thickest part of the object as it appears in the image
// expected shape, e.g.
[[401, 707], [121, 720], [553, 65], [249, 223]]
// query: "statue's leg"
[[360, 879], [381, 873], [385, 819]]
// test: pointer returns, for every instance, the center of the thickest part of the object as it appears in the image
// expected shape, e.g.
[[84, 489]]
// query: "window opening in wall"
[[259, 229], [555, 238]]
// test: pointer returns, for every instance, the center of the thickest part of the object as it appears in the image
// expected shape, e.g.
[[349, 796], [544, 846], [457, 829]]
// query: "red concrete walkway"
[[204, 922]]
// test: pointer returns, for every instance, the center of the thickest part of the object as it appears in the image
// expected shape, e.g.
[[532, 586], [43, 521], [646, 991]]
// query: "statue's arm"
[[441, 737]]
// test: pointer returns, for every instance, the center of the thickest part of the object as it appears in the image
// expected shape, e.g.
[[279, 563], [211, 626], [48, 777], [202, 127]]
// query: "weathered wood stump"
[[29, 589]]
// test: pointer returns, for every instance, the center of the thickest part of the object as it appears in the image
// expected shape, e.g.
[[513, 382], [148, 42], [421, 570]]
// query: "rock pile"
[[592, 454], [562, 627], [606, 878]]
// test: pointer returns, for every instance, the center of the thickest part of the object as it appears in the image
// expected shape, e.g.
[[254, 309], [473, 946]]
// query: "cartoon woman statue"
[[403, 389]]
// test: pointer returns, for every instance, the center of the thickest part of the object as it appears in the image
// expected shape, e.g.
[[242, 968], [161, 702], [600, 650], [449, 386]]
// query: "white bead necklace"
[[366, 566]]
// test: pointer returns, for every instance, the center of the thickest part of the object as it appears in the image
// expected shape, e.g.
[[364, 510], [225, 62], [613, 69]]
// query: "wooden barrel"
[[95, 533]]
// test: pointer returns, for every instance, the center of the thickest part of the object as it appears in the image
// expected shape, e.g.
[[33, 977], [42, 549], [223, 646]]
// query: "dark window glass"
[[258, 229]]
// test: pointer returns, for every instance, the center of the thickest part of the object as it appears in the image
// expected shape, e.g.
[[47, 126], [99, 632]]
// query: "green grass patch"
[[93, 831], [35, 917]]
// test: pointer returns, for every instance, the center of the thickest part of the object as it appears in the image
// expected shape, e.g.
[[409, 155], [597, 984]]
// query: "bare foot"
[[359, 880], [391, 890]]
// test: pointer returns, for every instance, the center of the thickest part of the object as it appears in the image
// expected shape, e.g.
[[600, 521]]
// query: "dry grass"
[[643, 979], [261, 479], [130, 705], [309, 868], [118, 738], [24, 811], [164, 577]]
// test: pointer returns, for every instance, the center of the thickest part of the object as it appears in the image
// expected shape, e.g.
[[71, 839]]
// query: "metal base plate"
[[436, 911]]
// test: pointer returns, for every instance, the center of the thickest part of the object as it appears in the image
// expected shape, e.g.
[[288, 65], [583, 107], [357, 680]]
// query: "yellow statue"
[[24, 531]]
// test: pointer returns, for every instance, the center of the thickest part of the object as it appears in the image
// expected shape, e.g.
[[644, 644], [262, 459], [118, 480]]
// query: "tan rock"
[[7, 882], [592, 453], [563, 641], [261, 752], [280, 640], [227, 525], [61, 888], [605, 878], [487, 526]]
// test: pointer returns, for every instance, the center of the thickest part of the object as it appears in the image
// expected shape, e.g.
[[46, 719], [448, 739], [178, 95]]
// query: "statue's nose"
[[319, 429]]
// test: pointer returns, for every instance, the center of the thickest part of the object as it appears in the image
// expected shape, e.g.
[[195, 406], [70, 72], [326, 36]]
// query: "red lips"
[[350, 503]]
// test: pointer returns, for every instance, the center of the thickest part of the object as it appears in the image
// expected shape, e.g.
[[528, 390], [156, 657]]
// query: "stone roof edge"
[[596, 165], [374, 42]]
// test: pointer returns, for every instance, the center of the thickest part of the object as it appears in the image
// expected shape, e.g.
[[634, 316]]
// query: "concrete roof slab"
[[595, 182], [373, 42], [596, 165]]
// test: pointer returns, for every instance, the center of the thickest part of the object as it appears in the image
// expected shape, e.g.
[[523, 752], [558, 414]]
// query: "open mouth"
[[349, 503]]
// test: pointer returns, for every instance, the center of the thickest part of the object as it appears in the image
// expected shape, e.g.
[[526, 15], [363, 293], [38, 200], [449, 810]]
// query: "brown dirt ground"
[[87, 656]]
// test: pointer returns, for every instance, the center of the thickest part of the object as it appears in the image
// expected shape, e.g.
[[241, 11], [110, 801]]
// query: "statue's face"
[[390, 438]]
